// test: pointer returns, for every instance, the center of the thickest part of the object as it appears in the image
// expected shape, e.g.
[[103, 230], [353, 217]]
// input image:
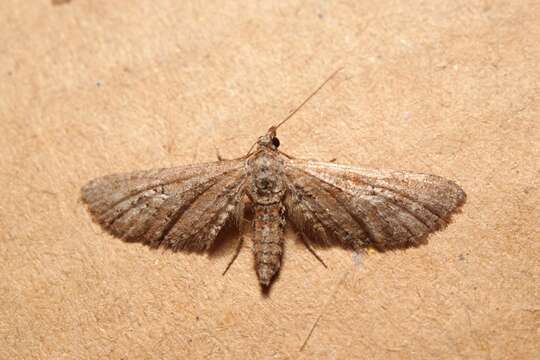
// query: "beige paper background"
[[93, 87]]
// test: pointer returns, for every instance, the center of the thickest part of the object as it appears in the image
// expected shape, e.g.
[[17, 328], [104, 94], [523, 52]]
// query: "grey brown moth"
[[186, 207]]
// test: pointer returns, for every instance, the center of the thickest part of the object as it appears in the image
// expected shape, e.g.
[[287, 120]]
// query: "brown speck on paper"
[[60, 2]]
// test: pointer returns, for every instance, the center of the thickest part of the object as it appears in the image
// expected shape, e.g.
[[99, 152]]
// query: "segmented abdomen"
[[268, 224]]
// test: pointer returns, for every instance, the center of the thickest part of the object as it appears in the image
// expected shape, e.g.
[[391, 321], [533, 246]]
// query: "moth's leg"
[[236, 252], [218, 155], [311, 250], [286, 155], [240, 221], [333, 160], [239, 245]]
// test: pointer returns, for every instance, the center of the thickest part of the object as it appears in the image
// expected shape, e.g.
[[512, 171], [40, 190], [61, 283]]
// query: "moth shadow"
[[267, 290]]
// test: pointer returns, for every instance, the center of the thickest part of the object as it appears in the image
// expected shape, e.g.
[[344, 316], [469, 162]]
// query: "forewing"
[[358, 206], [179, 208]]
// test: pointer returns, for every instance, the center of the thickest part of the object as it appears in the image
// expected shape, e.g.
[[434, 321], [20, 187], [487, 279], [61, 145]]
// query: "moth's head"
[[269, 140]]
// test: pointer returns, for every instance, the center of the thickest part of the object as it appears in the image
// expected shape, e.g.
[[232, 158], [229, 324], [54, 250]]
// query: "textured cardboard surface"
[[93, 87]]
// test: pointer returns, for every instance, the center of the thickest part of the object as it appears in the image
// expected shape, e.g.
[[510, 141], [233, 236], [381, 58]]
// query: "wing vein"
[[181, 210], [122, 213], [360, 222], [395, 191], [318, 218], [358, 219], [407, 210], [419, 202], [155, 185], [125, 211], [216, 215]]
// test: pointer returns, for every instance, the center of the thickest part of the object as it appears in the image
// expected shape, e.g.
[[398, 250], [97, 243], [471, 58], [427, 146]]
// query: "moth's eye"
[[275, 142]]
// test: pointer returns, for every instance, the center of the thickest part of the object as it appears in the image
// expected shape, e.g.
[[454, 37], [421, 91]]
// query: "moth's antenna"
[[308, 98]]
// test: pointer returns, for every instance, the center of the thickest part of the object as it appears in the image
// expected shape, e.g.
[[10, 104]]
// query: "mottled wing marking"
[[357, 206], [179, 208]]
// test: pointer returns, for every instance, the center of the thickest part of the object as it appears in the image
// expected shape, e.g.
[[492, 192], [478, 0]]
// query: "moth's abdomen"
[[268, 225]]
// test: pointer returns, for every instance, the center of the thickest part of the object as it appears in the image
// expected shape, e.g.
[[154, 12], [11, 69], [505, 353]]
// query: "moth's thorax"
[[266, 185]]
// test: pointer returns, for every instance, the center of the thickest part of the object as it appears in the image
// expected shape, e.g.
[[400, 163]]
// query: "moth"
[[187, 207]]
